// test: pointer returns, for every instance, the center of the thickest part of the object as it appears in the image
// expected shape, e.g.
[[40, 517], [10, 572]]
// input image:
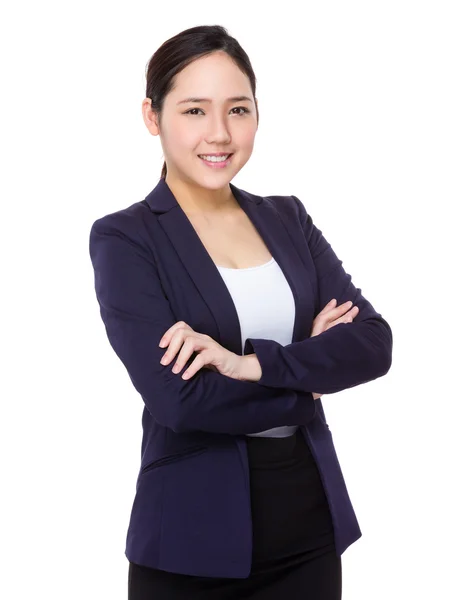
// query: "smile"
[[216, 161]]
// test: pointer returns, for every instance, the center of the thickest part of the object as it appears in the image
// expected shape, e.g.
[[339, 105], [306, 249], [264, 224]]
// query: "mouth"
[[216, 161]]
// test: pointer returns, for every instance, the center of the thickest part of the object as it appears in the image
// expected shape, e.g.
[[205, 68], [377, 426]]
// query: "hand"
[[211, 355], [331, 316]]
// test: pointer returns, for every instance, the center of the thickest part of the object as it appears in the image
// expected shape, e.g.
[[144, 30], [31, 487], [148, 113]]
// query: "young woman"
[[232, 315]]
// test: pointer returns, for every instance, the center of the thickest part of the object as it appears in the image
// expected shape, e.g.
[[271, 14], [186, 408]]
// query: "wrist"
[[251, 369]]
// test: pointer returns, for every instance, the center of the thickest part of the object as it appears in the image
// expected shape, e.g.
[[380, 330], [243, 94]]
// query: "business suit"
[[191, 512]]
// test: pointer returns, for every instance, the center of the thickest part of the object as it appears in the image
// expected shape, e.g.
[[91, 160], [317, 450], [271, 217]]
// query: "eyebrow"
[[233, 99]]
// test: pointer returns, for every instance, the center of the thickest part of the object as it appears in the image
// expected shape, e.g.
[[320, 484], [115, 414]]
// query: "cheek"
[[246, 138], [182, 138]]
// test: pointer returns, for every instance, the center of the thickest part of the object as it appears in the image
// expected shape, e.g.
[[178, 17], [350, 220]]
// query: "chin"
[[219, 184], [215, 181]]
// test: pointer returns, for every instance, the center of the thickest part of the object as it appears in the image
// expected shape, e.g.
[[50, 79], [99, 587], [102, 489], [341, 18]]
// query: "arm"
[[136, 313], [341, 357], [251, 369]]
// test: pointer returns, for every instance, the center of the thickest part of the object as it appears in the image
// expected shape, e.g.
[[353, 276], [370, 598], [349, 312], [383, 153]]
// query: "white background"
[[361, 117]]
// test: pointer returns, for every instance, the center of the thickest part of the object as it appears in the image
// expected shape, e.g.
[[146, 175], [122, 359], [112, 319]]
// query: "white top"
[[266, 309]]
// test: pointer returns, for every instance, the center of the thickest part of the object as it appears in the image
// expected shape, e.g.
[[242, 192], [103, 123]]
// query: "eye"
[[188, 112], [246, 110]]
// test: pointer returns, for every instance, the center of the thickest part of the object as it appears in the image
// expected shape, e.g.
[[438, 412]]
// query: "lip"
[[217, 165], [215, 153]]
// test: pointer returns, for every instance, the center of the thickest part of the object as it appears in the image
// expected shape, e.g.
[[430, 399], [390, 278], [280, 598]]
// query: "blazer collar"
[[277, 236], [161, 199]]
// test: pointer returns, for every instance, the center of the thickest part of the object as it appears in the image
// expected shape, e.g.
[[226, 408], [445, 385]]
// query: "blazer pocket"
[[170, 458]]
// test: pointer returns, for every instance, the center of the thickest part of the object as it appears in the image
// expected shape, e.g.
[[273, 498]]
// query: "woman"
[[232, 315]]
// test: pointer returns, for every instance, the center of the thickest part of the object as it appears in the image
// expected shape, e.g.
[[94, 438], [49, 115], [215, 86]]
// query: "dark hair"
[[182, 49]]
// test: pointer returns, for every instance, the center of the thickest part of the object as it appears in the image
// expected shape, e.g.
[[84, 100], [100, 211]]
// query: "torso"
[[231, 240]]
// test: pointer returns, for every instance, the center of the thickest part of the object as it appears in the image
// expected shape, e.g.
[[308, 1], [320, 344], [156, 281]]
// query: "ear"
[[150, 117]]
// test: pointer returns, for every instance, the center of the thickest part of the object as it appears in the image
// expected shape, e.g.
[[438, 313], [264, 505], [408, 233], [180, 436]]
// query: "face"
[[215, 124]]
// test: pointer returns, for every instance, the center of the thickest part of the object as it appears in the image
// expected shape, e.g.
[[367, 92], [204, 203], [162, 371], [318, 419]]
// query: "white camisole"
[[265, 306]]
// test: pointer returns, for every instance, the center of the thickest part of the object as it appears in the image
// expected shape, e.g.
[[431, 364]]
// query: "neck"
[[197, 200]]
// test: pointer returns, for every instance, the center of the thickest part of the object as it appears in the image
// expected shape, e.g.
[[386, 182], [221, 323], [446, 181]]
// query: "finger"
[[336, 310], [198, 362], [166, 338], [191, 343], [350, 316], [329, 314], [344, 319], [342, 308], [331, 304], [175, 344]]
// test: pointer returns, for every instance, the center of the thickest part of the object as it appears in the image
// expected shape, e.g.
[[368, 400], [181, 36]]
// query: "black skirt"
[[293, 538]]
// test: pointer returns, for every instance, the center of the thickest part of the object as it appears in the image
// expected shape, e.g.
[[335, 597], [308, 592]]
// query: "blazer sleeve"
[[341, 357], [136, 313]]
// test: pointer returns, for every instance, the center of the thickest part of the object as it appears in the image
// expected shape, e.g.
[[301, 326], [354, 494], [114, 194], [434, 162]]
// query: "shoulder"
[[287, 206], [279, 202], [127, 222], [120, 234]]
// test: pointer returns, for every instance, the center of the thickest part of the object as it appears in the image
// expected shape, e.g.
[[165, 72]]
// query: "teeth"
[[214, 158]]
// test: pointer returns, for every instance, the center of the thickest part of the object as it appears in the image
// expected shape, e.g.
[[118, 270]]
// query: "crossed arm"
[[278, 379]]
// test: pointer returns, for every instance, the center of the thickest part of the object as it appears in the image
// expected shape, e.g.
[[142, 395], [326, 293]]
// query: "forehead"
[[215, 74]]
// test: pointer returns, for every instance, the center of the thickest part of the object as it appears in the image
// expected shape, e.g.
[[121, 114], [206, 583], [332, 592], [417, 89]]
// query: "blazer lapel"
[[205, 275]]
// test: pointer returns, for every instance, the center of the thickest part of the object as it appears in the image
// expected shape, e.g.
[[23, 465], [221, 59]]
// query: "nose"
[[219, 132]]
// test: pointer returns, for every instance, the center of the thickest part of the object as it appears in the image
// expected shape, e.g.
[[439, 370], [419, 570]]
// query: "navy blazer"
[[191, 512]]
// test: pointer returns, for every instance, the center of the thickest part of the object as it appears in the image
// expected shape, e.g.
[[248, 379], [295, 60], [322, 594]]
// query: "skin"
[[187, 130]]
